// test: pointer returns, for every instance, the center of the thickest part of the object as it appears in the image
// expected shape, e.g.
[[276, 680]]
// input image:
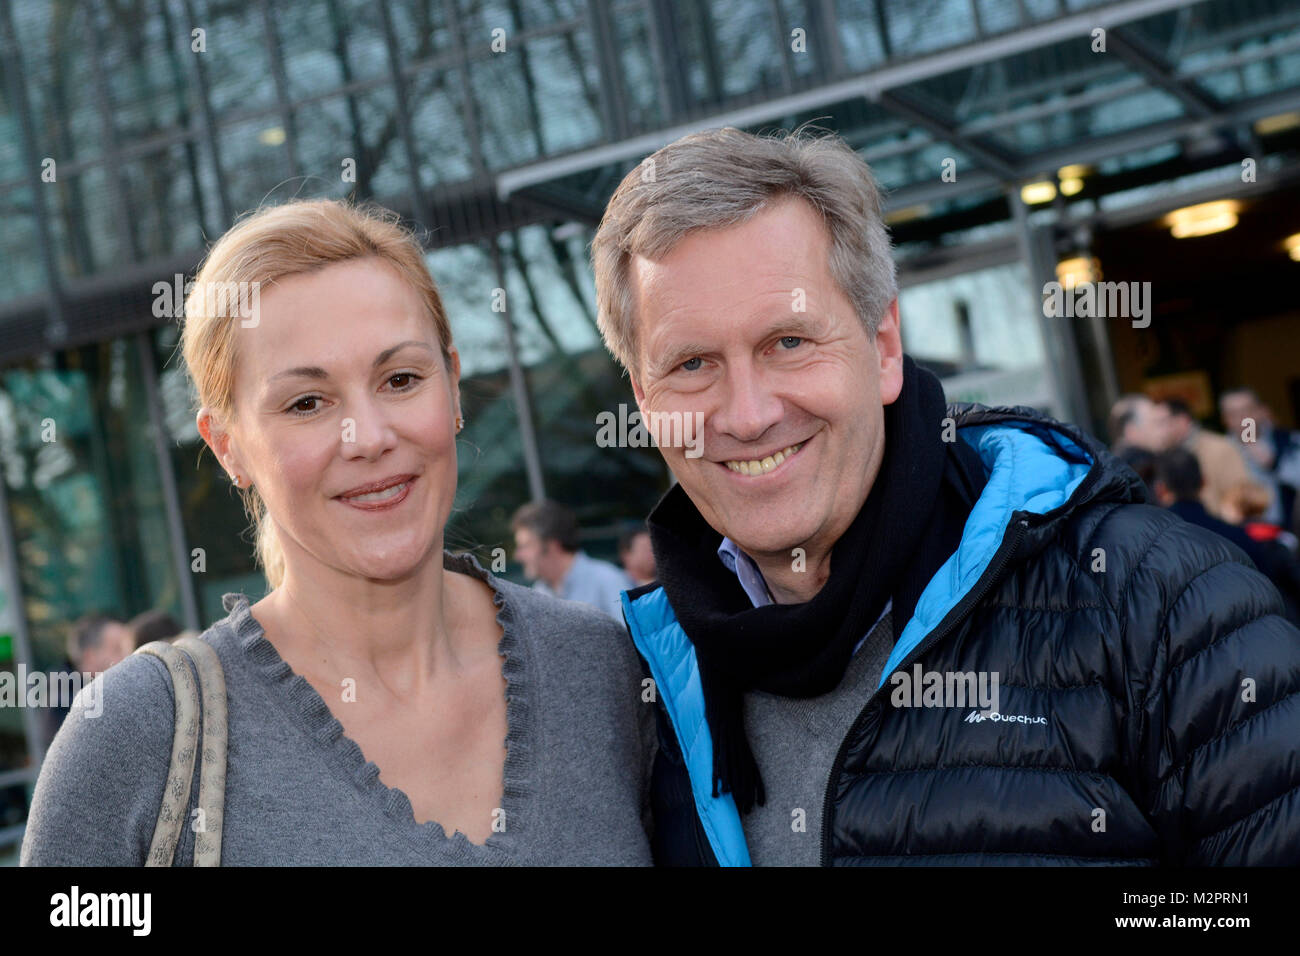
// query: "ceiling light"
[[1203, 219], [1077, 270], [1033, 194], [1277, 124]]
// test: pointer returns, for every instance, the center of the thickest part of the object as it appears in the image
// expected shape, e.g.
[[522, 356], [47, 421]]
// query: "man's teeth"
[[764, 465], [381, 495]]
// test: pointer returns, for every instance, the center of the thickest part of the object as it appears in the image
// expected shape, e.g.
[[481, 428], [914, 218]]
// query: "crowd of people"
[[1241, 485]]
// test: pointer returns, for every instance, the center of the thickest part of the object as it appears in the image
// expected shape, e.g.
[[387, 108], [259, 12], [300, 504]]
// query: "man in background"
[[97, 642], [1272, 454], [1136, 422], [637, 556], [546, 544], [154, 625]]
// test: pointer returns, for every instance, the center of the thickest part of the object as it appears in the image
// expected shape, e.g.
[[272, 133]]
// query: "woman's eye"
[[791, 341], [692, 364], [410, 379], [297, 409]]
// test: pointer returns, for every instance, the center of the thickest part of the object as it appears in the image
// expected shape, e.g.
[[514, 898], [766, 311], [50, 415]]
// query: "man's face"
[[1176, 427], [1150, 427], [115, 644], [528, 552], [639, 559], [745, 327], [1235, 408]]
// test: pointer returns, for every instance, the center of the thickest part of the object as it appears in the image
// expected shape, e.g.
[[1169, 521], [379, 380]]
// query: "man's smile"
[[756, 467]]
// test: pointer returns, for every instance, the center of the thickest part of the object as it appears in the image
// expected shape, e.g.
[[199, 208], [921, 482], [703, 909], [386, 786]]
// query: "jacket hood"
[[1109, 479]]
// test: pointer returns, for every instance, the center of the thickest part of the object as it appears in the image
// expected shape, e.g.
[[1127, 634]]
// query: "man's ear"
[[889, 349], [637, 391]]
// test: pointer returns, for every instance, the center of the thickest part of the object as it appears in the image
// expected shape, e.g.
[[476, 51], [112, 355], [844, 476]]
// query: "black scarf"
[[911, 522]]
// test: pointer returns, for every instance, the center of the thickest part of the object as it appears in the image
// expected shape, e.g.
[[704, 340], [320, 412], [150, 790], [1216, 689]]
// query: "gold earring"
[[460, 423], [238, 480]]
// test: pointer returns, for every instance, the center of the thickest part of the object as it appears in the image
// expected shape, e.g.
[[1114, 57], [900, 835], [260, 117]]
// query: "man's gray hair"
[[721, 177]]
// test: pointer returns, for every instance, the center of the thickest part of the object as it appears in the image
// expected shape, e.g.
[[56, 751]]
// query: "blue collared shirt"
[[593, 582], [751, 579]]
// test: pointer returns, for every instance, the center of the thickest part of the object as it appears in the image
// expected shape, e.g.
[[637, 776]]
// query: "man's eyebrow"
[[315, 371], [677, 356]]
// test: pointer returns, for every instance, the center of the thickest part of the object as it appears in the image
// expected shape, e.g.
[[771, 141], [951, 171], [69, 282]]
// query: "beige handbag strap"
[[212, 771], [185, 743]]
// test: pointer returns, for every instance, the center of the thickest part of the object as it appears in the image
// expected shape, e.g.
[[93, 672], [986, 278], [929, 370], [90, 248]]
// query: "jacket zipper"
[[955, 616]]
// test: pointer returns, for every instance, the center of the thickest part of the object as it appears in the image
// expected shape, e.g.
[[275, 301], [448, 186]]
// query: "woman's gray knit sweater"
[[298, 792]]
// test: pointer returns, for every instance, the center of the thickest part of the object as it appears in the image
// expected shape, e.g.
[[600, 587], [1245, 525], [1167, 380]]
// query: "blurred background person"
[[636, 555], [1143, 463], [1273, 456], [1246, 505], [97, 642], [546, 544], [1137, 422], [1179, 485], [154, 625], [1222, 464]]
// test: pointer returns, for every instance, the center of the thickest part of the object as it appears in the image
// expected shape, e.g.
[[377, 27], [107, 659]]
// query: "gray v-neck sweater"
[[579, 749]]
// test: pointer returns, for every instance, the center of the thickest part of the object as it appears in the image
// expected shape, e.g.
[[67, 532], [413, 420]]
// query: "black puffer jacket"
[[1149, 705]]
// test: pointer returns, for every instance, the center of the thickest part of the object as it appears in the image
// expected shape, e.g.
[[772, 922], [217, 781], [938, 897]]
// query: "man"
[[154, 625], [1136, 422], [1222, 464], [1272, 454], [637, 556], [97, 642], [845, 540], [546, 544]]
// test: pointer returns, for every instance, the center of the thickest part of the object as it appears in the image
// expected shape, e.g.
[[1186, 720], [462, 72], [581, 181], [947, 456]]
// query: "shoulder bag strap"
[[212, 771], [185, 736]]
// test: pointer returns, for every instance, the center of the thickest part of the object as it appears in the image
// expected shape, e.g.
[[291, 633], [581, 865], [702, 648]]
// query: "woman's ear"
[[218, 438], [453, 379]]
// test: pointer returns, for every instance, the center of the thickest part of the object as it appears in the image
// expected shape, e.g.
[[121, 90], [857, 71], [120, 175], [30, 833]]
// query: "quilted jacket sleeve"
[[1215, 729]]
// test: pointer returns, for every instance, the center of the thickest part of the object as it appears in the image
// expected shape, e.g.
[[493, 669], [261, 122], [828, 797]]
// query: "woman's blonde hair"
[[270, 244]]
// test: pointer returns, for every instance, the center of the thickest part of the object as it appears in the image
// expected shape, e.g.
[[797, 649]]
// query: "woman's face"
[[342, 385]]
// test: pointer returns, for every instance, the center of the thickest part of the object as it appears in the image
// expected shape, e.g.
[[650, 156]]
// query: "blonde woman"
[[389, 702]]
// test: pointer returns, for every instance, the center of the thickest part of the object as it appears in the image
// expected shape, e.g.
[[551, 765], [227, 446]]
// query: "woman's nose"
[[367, 432]]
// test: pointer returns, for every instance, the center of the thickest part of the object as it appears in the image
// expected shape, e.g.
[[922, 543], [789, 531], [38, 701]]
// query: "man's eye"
[[692, 364], [791, 341]]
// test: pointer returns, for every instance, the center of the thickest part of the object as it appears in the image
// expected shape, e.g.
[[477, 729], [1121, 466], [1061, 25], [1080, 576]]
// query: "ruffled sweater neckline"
[[302, 700]]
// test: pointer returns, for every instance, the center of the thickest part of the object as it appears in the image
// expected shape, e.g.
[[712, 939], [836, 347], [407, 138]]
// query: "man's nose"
[[749, 407]]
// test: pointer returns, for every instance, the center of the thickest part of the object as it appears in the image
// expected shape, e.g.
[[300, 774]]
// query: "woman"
[[372, 718]]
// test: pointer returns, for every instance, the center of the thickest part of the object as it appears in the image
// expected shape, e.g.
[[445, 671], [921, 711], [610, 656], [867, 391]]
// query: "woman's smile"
[[384, 500]]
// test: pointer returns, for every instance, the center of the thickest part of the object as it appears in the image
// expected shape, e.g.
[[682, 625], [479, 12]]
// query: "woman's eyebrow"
[[388, 353], [315, 371]]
